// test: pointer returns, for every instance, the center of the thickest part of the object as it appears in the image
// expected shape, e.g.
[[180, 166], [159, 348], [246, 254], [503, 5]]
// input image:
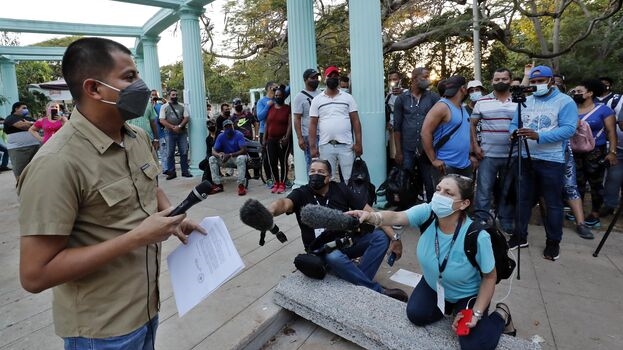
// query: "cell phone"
[[391, 259], [461, 328]]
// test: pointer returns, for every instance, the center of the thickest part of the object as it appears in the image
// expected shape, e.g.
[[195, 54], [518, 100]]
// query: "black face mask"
[[238, 109], [280, 101], [227, 113], [212, 128], [314, 84], [501, 87], [53, 112], [332, 83], [173, 100], [579, 98], [316, 181], [132, 100]]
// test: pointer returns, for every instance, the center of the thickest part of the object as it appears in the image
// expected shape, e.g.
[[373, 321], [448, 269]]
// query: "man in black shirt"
[[21, 145], [243, 121], [371, 247]]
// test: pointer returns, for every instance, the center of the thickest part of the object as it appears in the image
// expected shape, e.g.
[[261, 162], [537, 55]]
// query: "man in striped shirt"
[[495, 112]]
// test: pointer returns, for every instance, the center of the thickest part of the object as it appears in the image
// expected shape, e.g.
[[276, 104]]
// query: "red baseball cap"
[[330, 70]]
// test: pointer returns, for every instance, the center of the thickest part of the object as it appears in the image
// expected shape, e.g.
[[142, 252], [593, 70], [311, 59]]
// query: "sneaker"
[[187, 175], [592, 221], [216, 189], [241, 190], [515, 242], [552, 250], [605, 211], [275, 187], [583, 231], [570, 217], [171, 175], [5, 168], [281, 188], [269, 183]]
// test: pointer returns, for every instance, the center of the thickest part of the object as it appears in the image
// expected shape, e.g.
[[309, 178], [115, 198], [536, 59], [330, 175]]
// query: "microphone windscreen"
[[255, 214], [317, 216]]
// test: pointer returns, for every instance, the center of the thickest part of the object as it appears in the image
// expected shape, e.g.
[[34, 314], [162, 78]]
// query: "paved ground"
[[574, 303]]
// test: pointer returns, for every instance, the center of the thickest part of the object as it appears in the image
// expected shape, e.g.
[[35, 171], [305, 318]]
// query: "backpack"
[[401, 188], [504, 265], [359, 182], [583, 140]]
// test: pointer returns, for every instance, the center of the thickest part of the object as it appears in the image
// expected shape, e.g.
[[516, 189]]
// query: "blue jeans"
[[371, 248], [547, 179], [5, 155], [140, 339], [181, 141], [614, 182], [490, 169], [422, 310]]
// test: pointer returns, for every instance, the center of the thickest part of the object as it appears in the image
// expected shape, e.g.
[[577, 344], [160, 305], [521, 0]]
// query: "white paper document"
[[198, 268], [406, 277]]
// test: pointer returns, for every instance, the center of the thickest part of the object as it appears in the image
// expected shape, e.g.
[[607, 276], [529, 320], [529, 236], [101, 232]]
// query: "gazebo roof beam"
[[47, 27]]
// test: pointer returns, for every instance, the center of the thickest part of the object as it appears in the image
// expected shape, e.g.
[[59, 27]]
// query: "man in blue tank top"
[[446, 132]]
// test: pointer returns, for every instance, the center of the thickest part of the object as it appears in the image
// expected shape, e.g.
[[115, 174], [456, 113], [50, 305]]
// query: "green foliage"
[[32, 72]]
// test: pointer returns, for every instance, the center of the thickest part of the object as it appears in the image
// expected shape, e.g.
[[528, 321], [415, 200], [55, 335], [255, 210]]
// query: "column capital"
[[150, 39], [4, 60], [189, 12]]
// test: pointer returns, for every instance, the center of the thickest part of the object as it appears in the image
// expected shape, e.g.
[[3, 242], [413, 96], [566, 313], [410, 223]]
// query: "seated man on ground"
[[229, 151], [370, 247]]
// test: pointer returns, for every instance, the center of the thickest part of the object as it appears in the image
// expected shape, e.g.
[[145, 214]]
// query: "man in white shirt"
[[333, 116]]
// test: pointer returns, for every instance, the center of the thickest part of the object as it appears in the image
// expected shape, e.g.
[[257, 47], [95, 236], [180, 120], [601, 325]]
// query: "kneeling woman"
[[448, 274]]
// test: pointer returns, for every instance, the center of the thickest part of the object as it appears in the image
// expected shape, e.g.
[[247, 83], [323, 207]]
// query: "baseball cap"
[[310, 73], [227, 122], [541, 71], [452, 85], [236, 101], [473, 84], [330, 70]]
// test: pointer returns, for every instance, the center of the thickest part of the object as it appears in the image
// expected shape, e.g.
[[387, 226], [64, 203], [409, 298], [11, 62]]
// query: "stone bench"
[[367, 318]]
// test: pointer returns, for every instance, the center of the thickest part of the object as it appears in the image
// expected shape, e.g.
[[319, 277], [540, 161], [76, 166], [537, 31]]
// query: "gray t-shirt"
[[301, 106]]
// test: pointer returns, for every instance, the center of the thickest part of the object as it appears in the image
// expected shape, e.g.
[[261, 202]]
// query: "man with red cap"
[[333, 116]]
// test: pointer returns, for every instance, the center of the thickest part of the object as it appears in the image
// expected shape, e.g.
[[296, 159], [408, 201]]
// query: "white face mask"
[[344, 90], [442, 205], [475, 96], [541, 89]]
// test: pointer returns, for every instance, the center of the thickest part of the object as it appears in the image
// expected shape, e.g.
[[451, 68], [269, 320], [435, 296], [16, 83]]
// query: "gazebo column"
[[366, 52], [9, 85], [194, 84], [302, 55], [151, 71], [140, 66]]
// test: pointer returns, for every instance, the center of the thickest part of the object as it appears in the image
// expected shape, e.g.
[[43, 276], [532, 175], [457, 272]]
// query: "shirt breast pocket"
[[116, 192]]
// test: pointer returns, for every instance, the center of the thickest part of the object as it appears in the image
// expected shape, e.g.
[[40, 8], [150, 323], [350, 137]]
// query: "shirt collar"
[[95, 136]]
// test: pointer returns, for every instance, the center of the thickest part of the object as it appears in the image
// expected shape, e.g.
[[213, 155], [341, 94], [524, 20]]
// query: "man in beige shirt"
[[91, 214]]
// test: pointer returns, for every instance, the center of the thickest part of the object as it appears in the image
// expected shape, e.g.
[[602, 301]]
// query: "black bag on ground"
[[401, 190], [504, 265], [359, 182]]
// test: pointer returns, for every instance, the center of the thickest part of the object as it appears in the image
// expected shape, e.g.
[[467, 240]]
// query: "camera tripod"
[[615, 218]]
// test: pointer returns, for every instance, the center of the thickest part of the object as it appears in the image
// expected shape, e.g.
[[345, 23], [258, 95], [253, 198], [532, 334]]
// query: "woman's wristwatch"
[[477, 314]]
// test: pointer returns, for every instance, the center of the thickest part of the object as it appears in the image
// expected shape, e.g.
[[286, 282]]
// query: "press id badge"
[[318, 231], [441, 297]]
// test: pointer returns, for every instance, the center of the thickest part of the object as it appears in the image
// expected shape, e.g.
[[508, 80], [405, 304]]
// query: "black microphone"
[[254, 214], [199, 193], [317, 216]]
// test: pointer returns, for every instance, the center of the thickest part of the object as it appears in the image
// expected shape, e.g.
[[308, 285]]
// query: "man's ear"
[[90, 88]]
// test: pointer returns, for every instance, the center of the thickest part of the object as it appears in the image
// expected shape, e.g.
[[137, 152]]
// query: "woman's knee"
[[417, 315]]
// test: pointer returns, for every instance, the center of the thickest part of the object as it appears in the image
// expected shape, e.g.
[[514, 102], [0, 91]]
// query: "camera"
[[520, 89]]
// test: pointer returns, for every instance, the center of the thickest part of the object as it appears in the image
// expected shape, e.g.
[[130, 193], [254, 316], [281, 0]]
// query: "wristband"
[[613, 152], [477, 314]]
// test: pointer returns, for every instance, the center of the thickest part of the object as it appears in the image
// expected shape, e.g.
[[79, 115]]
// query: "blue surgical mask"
[[442, 205], [541, 89], [24, 112], [475, 96]]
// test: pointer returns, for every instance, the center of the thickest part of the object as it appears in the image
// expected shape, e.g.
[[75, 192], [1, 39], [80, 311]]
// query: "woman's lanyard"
[[442, 265], [326, 204]]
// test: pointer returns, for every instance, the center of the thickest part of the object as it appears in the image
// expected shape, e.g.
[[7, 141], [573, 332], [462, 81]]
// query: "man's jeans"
[[239, 162], [5, 155], [614, 182], [546, 179], [140, 339], [371, 248], [342, 153], [488, 171], [181, 141]]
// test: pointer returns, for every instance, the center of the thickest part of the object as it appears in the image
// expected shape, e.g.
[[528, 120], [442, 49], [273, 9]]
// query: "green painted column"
[[302, 55], [9, 85], [366, 55], [151, 71], [194, 84], [140, 66]]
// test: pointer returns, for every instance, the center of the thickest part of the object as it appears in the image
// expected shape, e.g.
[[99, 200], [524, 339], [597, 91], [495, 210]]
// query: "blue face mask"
[[24, 112], [442, 205], [541, 89], [475, 96]]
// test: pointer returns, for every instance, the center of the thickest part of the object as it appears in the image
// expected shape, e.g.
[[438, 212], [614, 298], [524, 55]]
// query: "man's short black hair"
[[170, 91], [17, 105], [268, 85], [594, 85], [394, 72], [504, 70], [88, 58], [344, 79], [608, 79], [223, 105]]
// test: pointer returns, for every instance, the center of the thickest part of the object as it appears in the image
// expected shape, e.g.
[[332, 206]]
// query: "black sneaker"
[[187, 175], [552, 250], [584, 232], [592, 221], [605, 211], [171, 175], [515, 241]]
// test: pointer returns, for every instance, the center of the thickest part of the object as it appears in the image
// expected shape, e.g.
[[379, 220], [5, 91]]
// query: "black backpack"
[[359, 182], [401, 188], [504, 265]]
